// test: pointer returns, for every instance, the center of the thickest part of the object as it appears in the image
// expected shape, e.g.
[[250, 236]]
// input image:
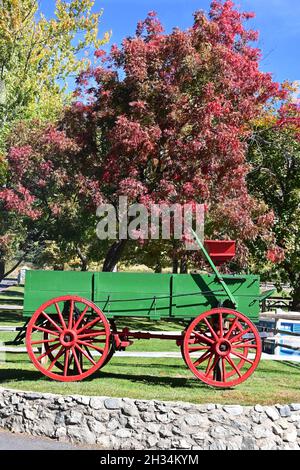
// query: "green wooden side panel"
[[245, 289], [41, 286], [153, 296], [133, 294]]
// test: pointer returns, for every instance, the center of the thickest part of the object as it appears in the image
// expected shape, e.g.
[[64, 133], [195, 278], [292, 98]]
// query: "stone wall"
[[112, 423]]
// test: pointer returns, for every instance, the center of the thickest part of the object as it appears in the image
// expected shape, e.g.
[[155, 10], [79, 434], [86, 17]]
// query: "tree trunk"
[[113, 255], [296, 299], [175, 266], [158, 268], [183, 265], [83, 259]]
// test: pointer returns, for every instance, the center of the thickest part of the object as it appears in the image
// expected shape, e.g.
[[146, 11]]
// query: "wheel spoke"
[[88, 351], [244, 345], [62, 321], [203, 338], [92, 335], [66, 363], [76, 361], [52, 321], [43, 341], [59, 354], [45, 330], [228, 359], [85, 354], [231, 329], [91, 323], [202, 358], [81, 317], [208, 365], [235, 339], [212, 367], [90, 345], [223, 369], [55, 346], [221, 325], [242, 357], [70, 325], [211, 329]]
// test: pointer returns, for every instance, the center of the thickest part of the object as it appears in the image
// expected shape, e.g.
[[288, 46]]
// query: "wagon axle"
[[124, 335]]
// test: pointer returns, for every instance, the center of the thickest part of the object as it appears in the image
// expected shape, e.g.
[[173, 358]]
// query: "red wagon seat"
[[220, 251]]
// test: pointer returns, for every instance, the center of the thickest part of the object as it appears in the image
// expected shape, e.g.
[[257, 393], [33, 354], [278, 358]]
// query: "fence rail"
[[13, 329], [280, 315]]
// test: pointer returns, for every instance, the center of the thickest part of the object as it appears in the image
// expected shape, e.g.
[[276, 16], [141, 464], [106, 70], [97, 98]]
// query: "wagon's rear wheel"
[[222, 347], [75, 337]]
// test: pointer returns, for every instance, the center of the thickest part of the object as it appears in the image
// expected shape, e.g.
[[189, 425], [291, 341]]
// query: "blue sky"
[[277, 20]]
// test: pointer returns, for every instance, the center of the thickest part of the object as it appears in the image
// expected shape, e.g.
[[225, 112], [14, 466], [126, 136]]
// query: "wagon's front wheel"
[[222, 347], [77, 339]]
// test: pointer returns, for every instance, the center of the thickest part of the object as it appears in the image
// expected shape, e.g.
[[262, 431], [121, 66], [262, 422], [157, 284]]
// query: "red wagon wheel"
[[217, 369], [77, 338], [222, 347]]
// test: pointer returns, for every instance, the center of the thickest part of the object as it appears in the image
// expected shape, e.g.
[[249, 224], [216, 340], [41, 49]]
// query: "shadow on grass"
[[12, 293], [11, 317], [294, 365], [19, 375], [145, 365], [161, 381]]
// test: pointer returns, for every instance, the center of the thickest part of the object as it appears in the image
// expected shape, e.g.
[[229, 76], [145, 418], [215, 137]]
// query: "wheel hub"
[[223, 347], [68, 338]]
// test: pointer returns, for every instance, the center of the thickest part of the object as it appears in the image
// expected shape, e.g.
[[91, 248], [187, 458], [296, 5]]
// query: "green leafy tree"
[[37, 56], [274, 154]]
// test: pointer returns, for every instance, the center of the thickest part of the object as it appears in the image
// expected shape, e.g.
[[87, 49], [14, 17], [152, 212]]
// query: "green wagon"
[[72, 328]]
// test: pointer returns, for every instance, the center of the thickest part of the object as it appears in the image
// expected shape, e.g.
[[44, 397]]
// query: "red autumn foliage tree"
[[165, 118]]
